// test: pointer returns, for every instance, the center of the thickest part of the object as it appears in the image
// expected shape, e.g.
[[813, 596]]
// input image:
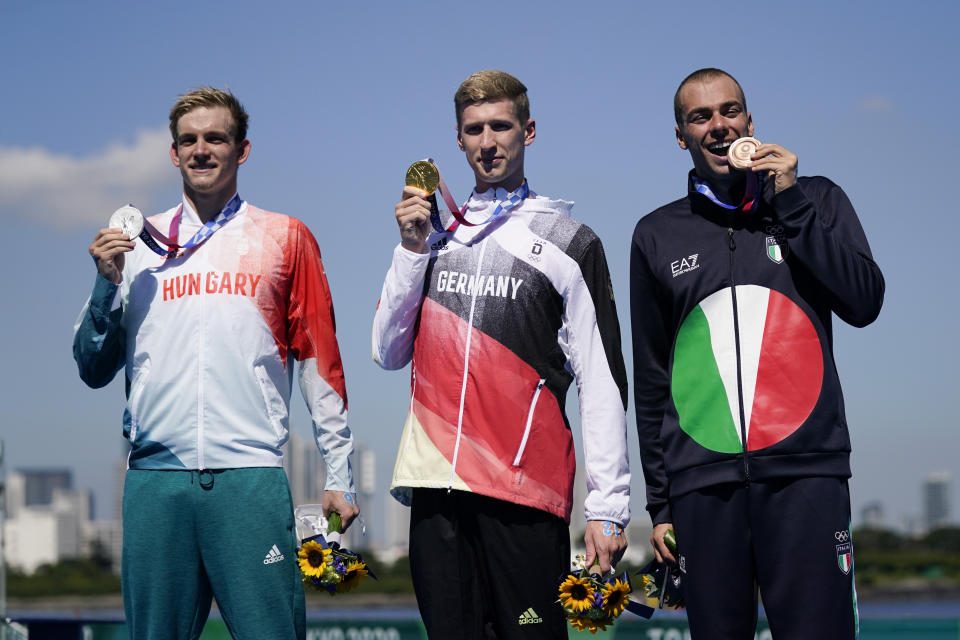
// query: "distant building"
[[35, 487], [396, 538], [936, 500], [871, 516], [306, 472], [49, 521]]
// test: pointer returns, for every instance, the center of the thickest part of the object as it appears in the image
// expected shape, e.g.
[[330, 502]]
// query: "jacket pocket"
[[133, 399], [276, 409], [526, 428]]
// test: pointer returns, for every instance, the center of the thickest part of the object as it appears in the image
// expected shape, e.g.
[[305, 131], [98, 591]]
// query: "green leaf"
[[670, 539], [334, 523]]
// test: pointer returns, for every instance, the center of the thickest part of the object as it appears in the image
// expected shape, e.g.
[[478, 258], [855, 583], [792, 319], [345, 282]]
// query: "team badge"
[[776, 250], [844, 551], [845, 557]]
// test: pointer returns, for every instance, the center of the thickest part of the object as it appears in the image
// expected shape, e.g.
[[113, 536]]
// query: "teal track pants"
[[190, 536]]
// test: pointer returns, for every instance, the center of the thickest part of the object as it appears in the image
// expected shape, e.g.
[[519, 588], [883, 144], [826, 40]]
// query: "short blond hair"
[[492, 85], [210, 97]]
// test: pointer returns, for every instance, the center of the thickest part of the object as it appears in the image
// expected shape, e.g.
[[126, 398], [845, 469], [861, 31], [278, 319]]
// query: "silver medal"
[[128, 219]]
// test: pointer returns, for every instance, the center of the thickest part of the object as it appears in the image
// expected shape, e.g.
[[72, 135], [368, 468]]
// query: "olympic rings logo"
[[841, 536]]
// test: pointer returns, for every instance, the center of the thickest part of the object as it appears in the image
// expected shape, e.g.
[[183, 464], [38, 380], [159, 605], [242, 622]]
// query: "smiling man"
[[743, 438], [498, 313], [208, 328]]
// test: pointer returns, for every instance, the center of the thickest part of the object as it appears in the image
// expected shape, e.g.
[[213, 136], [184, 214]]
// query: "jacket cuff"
[[103, 300], [661, 514]]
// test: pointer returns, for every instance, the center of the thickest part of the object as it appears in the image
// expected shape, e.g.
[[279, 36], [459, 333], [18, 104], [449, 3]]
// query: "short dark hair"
[[702, 75], [492, 85], [210, 97]]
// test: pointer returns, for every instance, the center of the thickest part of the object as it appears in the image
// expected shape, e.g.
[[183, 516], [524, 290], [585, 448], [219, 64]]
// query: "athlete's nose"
[[486, 138]]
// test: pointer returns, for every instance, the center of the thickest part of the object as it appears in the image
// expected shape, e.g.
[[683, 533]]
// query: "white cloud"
[[67, 192], [877, 104]]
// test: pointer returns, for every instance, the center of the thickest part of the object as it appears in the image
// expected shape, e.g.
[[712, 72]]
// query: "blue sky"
[[343, 96]]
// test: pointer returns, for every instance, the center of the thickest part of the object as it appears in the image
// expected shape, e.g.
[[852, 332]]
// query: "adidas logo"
[[529, 617], [273, 555]]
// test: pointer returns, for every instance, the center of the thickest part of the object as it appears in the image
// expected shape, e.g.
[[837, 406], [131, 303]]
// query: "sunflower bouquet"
[[326, 565], [590, 602], [661, 582]]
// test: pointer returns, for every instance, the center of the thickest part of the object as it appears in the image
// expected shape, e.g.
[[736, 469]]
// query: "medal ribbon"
[[510, 202], [173, 249], [750, 193]]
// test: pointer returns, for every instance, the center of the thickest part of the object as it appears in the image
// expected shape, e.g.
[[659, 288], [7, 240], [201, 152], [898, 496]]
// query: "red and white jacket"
[[208, 340], [497, 321]]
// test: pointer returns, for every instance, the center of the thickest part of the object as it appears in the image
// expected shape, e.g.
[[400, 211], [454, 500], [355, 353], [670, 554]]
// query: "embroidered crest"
[[845, 557], [776, 244], [775, 250]]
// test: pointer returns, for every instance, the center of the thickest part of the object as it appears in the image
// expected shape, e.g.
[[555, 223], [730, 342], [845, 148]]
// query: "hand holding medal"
[[779, 164], [111, 243], [417, 205]]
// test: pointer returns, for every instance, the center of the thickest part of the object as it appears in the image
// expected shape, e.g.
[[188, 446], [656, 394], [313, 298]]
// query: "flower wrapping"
[[324, 564], [663, 583]]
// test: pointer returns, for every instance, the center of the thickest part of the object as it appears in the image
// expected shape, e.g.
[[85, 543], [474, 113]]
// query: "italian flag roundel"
[[781, 369]]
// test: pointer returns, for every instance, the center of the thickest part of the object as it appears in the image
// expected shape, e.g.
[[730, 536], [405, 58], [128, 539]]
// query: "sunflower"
[[576, 594], [313, 558], [356, 571], [589, 624], [578, 623], [615, 596]]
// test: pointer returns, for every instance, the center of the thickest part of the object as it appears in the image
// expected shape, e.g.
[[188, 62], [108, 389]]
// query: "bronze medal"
[[738, 155]]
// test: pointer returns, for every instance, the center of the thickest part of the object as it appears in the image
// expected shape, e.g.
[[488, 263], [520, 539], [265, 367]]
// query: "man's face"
[[206, 152], [713, 116], [494, 142]]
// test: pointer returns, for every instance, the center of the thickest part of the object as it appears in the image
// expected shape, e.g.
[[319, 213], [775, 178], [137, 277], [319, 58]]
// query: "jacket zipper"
[[526, 428], [466, 365], [133, 402], [736, 337], [200, 350]]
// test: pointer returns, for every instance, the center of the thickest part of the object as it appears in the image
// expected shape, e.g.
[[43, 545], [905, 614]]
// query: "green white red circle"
[[781, 368]]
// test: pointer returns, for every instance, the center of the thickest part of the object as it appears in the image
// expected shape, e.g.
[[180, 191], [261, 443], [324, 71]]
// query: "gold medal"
[[738, 155], [423, 175]]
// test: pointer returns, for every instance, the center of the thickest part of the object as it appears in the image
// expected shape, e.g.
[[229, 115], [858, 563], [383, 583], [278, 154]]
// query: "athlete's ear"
[[243, 151]]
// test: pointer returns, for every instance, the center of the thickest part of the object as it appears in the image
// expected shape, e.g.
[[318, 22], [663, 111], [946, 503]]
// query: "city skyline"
[[342, 101]]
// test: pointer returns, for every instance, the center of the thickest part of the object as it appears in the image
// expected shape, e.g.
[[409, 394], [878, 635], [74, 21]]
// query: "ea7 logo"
[[685, 265]]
